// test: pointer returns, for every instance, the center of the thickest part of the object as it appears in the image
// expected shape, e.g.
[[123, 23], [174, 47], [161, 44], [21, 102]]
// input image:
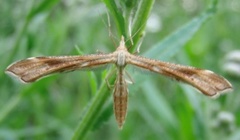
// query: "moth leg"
[[139, 45], [129, 79], [107, 78], [100, 52], [130, 30], [137, 51]]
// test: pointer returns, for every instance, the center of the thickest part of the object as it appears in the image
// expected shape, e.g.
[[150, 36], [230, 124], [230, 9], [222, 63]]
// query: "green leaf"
[[173, 43]]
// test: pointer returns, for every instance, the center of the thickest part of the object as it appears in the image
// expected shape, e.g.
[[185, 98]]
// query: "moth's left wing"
[[34, 68]]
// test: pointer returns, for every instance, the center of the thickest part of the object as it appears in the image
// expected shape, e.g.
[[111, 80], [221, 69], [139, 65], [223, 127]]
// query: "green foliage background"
[[78, 105]]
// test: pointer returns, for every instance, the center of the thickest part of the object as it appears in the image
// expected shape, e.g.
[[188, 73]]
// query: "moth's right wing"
[[206, 81], [34, 68]]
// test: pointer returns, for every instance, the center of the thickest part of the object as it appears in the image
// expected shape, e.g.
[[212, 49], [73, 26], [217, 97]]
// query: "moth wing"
[[206, 81], [32, 69]]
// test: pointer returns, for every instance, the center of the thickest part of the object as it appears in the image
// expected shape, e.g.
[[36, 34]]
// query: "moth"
[[34, 68]]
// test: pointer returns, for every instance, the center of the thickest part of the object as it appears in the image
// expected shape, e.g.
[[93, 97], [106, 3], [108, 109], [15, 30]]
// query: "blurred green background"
[[159, 108]]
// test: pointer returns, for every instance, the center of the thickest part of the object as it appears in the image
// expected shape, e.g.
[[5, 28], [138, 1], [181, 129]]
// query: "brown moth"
[[32, 69]]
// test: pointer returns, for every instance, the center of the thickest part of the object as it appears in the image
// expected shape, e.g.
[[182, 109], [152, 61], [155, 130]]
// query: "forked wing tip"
[[11, 74], [227, 90]]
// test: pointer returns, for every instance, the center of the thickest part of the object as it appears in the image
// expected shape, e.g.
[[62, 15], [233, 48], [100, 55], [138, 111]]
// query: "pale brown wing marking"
[[120, 96], [206, 81], [32, 69]]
